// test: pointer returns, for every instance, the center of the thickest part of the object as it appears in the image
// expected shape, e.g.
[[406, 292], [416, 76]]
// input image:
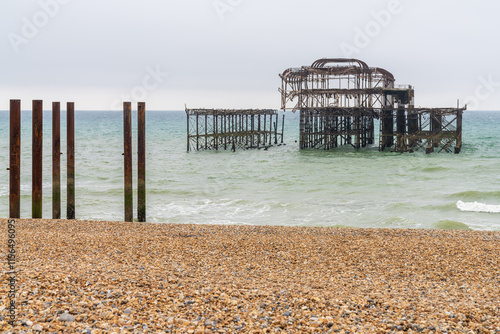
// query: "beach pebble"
[[66, 317], [37, 328]]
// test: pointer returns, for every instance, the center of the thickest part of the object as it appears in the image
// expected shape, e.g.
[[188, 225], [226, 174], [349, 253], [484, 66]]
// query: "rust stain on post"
[[37, 146], [70, 212], [127, 144], [15, 159], [141, 171], [56, 160]]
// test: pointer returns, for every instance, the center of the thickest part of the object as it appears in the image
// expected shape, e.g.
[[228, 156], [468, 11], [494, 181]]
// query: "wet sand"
[[112, 277]]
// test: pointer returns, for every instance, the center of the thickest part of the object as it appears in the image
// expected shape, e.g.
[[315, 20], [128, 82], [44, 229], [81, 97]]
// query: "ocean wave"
[[396, 222], [431, 169], [475, 195], [478, 207], [451, 206], [451, 225]]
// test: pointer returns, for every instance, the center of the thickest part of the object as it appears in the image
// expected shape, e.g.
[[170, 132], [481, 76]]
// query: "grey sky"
[[228, 53]]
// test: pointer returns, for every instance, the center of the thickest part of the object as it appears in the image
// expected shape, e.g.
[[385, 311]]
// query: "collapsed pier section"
[[429, 129], [340, 99], [223, 129]]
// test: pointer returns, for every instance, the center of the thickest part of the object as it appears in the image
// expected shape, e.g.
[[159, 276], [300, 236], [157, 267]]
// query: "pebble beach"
[[115, 277]]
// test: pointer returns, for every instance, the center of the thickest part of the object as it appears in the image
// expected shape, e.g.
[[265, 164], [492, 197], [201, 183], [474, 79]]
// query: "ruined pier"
[[340, 99], [231, 129]]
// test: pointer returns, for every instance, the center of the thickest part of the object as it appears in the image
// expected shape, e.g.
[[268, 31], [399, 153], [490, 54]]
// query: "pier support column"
[[371, 131], [141, 160], [302, 139], [412, 129], [436, 128], [401, 129], [15, 160], [348, 129], [357, 132], [127, 145], [56, 160], [37, 163], [387, 124], [70, 156], [458, 145]]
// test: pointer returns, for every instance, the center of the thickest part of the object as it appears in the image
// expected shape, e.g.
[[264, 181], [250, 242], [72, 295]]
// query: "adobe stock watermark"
[[222, 7], [12, 278], [31, 26], [153, 78], [484, 91], [363, 37]]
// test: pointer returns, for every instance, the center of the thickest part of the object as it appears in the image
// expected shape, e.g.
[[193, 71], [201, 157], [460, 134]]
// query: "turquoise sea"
[[280, 186]]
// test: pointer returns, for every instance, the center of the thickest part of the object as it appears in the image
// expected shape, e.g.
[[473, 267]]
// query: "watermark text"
[[31, 26], [223, 7], [153, 78], [363, 37], [12, 279], [484, 90]]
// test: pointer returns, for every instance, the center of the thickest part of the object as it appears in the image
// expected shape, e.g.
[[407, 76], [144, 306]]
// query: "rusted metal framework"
[[339, 99], [214, 129], [432, 129]]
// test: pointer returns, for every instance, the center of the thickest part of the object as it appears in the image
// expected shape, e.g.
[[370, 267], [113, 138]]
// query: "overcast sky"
[[228, 53]]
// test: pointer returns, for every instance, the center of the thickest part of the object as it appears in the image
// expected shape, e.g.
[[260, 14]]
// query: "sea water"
[[279, 186]]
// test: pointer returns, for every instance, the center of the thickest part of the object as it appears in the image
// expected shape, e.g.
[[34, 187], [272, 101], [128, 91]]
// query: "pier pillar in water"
[[70, 124], [56, 160], [127, 145], [37, 158], [387, 124], [458, 144], [401, 129], [15, 160], [141, 170], [412, 128]]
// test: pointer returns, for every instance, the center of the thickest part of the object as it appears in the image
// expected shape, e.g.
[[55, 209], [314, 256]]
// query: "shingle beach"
[[113, 277]]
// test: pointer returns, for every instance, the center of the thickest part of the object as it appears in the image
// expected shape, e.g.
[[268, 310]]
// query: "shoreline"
[[118, 277]]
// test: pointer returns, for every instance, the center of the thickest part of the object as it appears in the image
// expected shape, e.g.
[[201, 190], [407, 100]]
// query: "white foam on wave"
[[477, 207], [207, 211]]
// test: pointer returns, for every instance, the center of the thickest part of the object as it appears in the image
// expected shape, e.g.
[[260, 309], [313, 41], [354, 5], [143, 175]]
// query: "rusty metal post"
[[387, 128], [258, 131], [357, 131], [282, 127], [15, 160], [187, 125], [412, 129], [264, 129], [436, 128], [215, 119], [197, 132], [70, 124], [458, 145], [56, 160], [37, 149], [206, 132], [371, 132], [141, 158], [127, 144], [276, 130], [400, 129], [430, 136]]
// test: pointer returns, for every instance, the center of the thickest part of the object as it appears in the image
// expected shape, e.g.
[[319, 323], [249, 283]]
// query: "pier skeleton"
[[223, 129], [339, 99]]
